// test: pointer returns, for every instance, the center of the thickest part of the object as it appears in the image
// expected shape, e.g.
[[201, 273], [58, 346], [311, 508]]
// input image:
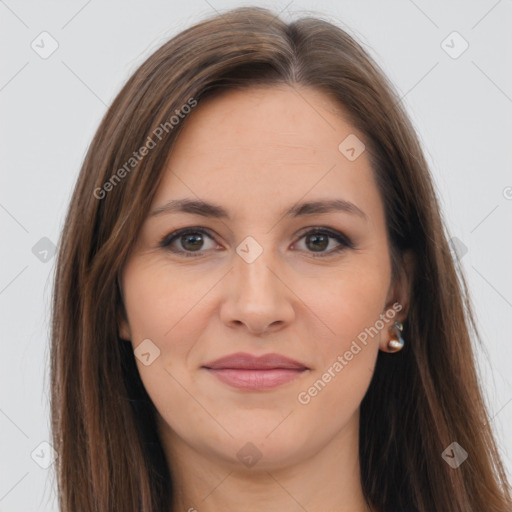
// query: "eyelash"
[[343, 240]]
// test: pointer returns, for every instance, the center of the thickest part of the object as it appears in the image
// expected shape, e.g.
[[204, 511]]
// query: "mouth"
[[256, 380], [245, 371]]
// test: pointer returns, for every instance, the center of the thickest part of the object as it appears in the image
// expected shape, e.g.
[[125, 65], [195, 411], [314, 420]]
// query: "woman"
[[255, 304]]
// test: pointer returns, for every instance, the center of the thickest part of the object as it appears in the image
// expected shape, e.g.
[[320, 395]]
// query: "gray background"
[[51, 107]]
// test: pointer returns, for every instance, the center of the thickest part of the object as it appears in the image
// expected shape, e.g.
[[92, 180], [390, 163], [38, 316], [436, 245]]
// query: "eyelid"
[[343, 240]]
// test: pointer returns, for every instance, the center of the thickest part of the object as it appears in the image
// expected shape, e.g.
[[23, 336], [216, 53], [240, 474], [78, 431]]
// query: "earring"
[[394, 345]]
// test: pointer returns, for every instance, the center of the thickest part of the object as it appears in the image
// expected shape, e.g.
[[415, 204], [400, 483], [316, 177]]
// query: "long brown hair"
[[419, 401]]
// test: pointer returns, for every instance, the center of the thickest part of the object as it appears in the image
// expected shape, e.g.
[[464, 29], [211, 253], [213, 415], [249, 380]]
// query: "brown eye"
[[318, 240], [186, 241], [191, 242]]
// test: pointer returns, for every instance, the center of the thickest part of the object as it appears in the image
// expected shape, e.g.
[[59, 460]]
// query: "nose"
[[257, 297]]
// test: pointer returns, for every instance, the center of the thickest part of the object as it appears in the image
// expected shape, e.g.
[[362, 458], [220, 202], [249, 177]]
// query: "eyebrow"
[[205, 209]]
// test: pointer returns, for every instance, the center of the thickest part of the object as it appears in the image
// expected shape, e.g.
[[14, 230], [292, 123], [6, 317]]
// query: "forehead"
[[298, 121], [267, 146]]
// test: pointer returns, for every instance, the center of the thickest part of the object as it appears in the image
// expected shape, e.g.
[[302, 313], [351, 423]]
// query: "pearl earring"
[[394, 345]]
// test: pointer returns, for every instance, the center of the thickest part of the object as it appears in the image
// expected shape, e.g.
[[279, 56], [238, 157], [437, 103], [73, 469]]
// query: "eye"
[[318, 239], [190, 241]]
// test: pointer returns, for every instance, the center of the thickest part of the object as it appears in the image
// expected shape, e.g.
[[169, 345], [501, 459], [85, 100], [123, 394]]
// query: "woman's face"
[[249, 277]]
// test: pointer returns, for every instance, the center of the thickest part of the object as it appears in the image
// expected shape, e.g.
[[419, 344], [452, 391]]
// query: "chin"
[[263, 446]]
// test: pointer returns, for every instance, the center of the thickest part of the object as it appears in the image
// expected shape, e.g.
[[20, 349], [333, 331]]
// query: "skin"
[[256, 153]]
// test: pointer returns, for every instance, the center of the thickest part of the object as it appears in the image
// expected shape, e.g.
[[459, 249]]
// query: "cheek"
[[158, 301], [349, 305], [351, 300], [163, 306], [170, 307]]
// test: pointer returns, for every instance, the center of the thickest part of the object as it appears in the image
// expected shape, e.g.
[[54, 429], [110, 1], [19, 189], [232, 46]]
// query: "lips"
[[252, 373], [244, 361]]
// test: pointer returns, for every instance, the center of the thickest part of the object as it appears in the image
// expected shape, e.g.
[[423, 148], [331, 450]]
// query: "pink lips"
[[245, 371]]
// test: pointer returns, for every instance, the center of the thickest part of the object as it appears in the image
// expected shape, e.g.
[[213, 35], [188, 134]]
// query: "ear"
[[123, 326], [124, 329], [398, 298]]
